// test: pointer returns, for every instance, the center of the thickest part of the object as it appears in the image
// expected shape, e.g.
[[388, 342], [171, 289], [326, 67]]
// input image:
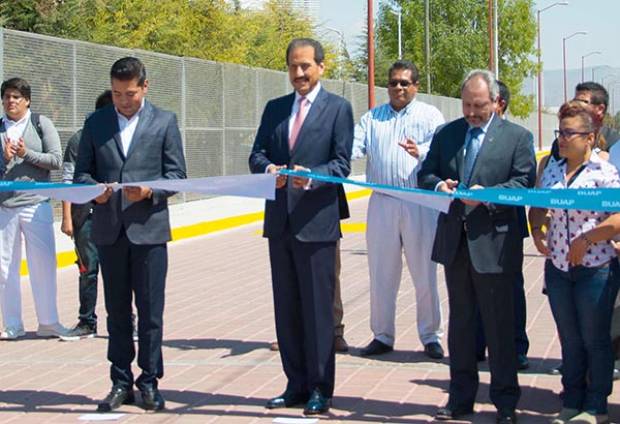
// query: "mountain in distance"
[[553, 84]]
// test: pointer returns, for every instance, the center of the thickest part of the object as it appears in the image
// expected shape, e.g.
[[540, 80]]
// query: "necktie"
[[298, 122], [471, 152]]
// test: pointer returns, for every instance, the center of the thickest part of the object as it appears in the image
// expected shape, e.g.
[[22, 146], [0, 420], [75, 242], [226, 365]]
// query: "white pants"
[[35, 222], [394, 224]]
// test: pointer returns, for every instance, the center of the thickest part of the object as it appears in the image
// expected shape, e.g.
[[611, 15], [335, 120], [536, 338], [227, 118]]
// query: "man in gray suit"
[[128, 142], [477, 243]]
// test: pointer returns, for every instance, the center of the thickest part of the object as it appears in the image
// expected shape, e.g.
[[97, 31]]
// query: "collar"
[[405, 110], [485, 127], [25, 118], [311, 96], [121, 116]]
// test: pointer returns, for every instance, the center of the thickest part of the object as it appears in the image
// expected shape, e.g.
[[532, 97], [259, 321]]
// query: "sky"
[[601, 18]]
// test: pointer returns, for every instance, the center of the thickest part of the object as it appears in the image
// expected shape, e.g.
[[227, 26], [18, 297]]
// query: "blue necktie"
[[471, 152]]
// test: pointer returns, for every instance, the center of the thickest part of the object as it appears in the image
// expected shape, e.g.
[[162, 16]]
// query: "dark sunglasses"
[[566, 134], [403, 83]]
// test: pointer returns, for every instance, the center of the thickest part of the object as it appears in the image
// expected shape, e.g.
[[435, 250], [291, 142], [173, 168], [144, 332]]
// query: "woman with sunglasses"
[[582, 285]]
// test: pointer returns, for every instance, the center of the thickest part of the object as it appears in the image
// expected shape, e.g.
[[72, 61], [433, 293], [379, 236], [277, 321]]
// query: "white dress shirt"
[[15, 129], [128, 127]]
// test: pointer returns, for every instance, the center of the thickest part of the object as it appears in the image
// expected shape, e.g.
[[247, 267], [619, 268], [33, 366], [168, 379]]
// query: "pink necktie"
[[298, 122]]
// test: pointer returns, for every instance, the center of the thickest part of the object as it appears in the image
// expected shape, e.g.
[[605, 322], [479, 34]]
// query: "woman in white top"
[[582, 285]]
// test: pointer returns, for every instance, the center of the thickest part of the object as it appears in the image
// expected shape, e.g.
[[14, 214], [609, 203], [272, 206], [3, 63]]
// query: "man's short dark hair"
[[127, 69], [104, 99], [504, 94], [319, 54], [18, 84], [404, 65], [598, 94]]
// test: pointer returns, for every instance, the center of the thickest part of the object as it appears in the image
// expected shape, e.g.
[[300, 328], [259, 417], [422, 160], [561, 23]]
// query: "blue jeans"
[[582, 301]]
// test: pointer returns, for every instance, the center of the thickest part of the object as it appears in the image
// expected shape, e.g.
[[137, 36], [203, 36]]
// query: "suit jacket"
[[324, 145], [156, 152], [505, 160]]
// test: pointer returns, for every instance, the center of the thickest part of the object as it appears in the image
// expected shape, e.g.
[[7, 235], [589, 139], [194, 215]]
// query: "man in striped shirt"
[[395, 138]]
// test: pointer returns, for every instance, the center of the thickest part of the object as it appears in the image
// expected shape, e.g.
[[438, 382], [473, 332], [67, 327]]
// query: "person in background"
[[580, 270], [31, 149], [77, 224], [395, 137]]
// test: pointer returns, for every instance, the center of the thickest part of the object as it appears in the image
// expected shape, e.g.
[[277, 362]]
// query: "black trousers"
[[492, 295], [88, 265], [522, 343], [129, 269], [303, 290]]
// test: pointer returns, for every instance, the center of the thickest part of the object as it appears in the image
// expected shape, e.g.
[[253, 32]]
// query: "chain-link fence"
[[219, 105]]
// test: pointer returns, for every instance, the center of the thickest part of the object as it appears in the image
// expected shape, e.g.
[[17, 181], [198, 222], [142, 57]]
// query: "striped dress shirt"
[[378, 134]]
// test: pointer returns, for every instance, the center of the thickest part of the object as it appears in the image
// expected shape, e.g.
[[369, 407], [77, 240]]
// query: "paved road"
[[219, 322]]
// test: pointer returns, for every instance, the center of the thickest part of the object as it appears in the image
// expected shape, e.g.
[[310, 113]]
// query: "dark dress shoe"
[[376, 348], [118, 396], [152, 400], [522, 362], [448, 413], [433, 350], [317, 404], [340, 344], [506, 417], [286, 400]]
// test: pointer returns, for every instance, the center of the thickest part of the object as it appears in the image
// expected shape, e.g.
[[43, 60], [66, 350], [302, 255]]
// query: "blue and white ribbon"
[[593, 199], [263, 186]]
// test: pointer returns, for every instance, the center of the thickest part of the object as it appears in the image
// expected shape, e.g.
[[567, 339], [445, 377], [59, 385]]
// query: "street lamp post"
[[342, 50], [583, 77], [539, 77], [399, 15], [564, 58]]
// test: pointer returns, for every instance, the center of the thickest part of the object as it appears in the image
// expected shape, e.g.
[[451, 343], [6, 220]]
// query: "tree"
[[216, 30], [459, 42]]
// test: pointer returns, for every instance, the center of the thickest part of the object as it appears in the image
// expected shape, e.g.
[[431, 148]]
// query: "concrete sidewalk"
[[218, 326]]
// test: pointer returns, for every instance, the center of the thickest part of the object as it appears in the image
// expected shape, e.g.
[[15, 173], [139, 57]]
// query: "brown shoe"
[[274, 346], [340, 344]]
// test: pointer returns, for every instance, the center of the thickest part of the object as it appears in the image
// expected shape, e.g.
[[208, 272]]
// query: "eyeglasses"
[[566, 134], [403, 83]]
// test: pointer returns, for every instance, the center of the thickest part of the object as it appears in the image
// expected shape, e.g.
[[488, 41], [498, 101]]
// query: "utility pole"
[[371, 56], [491, 36], [427, 44]]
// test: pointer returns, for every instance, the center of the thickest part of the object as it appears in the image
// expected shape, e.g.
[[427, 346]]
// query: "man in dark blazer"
[[128, 142], [310, 129], [478, 244]]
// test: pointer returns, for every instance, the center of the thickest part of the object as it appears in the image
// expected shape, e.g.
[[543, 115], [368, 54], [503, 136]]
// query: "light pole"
[[594, 68], [539, 77], [564, 58], [399, 14], [342, 50], [371, 54], [427, 44], [582, 64]]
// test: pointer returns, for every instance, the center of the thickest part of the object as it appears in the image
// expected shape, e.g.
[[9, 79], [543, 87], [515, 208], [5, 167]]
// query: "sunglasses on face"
[[402, 83]]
